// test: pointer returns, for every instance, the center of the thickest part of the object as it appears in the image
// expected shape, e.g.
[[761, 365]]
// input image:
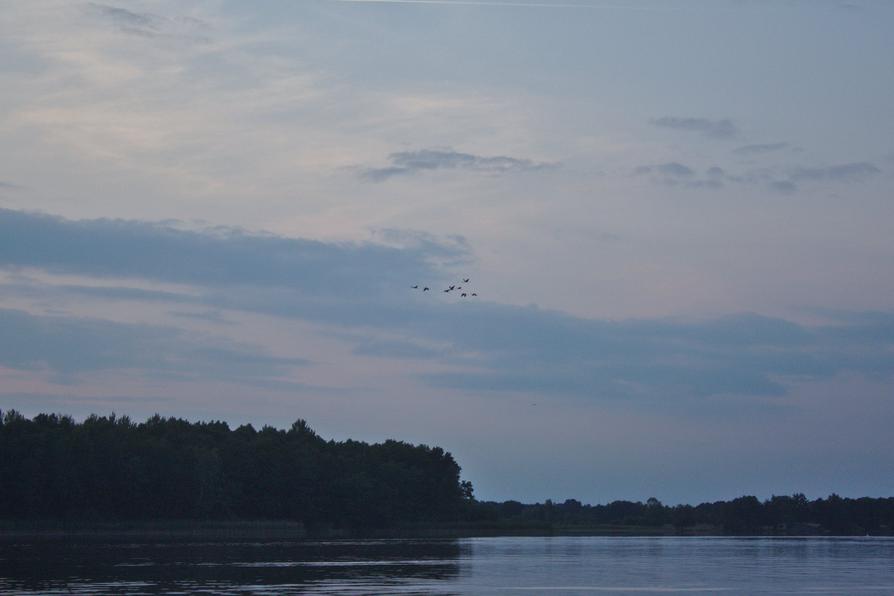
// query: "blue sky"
[[676, 216]]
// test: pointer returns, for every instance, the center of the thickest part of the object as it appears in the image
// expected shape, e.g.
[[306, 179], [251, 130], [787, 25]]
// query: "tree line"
[[111, 468], [778, 515]]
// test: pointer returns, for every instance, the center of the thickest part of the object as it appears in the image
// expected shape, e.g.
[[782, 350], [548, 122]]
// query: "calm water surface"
[[566, 565]]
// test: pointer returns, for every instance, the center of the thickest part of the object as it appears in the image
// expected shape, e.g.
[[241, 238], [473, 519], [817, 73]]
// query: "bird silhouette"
[[465, 294], [465, 280]]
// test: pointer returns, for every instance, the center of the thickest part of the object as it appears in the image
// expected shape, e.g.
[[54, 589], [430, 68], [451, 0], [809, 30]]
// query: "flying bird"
[[466, 280], [474, 294], [425, 289], [463, 294], [452, 287], [416, 287]]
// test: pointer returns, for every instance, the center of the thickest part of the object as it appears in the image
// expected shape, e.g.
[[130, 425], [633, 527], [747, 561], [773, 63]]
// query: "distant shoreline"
[[286, 530]]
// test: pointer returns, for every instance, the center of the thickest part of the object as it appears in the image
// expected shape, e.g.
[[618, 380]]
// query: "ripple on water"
[[470, 566]]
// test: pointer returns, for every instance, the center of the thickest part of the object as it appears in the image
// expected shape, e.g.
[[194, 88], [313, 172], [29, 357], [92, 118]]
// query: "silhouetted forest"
[[779, 515], [111, 468], [52, 467]]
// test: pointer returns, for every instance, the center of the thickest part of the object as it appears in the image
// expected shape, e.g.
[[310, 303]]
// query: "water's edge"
[[17, 530]]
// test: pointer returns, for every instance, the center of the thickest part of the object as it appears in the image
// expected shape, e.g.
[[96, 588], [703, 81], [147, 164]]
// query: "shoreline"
[[274, 530]]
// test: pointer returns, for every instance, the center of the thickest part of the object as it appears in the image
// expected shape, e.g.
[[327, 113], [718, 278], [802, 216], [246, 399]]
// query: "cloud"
[[44, 402], [411, 162], [212, 257], [847, 172], [717, 129], [712, 183], [454, 247], [651, 361], [787, 182], [537, 351], [146, 24], [780, 180], [210, 316], [783, 186], [673, 169], [393, 348], [127, 18], [68, 347], [677, 174], [759, 149], [122, 293], [477, 346]]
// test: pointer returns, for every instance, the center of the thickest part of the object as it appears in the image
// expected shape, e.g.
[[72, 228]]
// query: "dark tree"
[[109, 467]]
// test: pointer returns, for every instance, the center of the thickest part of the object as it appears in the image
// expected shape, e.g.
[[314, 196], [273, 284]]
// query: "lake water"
[[566, 565]]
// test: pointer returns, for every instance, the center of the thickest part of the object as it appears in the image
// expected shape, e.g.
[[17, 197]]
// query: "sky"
[[676, 215]]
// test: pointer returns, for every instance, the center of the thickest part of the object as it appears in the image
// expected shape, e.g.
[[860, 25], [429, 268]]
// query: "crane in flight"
[[450, 288]]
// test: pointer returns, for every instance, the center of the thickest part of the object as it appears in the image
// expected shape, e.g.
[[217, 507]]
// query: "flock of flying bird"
[[452, 288]]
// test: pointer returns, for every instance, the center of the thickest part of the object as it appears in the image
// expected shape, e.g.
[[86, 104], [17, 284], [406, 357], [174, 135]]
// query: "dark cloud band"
[[717, 129], [215, 257], [514, 348], [409, 162]]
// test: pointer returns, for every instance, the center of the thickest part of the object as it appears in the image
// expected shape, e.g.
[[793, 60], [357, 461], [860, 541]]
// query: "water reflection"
[[516, 565], [332, 567]]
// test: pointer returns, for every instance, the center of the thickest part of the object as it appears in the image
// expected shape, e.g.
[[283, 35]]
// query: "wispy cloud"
[[410, 162], [847, 172], [787, 180], [673, 169], [783, 186], [147, 24], [781, 180], [758, 149], [394, 348], [210, 316], [717, 129], [677, 174]]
